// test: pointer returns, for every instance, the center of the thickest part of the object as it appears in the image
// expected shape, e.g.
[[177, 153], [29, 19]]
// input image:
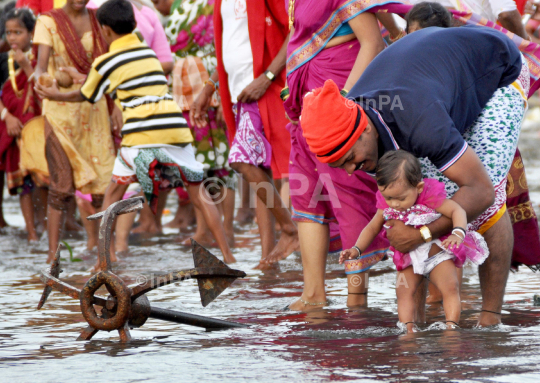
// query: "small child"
[[18, 105], [156, 142], [404, 196]]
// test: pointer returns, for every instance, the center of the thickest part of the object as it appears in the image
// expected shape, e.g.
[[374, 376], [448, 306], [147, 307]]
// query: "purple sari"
[[308, 63]]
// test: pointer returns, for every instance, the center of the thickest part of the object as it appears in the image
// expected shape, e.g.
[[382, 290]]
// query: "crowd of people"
[[342, 127]]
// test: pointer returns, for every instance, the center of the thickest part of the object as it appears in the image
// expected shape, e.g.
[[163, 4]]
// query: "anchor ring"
[[122, 294]]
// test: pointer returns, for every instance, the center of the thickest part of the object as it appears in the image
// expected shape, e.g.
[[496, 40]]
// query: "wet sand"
[[336, 343]]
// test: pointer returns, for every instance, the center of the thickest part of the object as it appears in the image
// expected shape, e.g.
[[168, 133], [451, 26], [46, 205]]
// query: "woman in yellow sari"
[[79, 146]]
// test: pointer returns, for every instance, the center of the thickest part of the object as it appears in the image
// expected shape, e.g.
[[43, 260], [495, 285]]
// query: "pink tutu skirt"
[[473, 249]]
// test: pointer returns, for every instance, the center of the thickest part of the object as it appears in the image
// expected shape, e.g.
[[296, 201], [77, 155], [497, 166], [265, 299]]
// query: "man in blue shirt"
[[455, 98]]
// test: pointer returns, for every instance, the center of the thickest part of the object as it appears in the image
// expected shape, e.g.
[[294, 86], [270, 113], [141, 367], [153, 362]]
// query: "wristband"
[[357, 249], [3, 114], [344, 92]]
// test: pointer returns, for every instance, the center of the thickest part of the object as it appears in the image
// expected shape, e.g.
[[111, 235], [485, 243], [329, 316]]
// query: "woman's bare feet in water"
[[245, 216], [205, 240], [72, 225], [308, 305], [287, 244], [229, 234], [208, 241], [147, 228], [184, 217], [97, 267], [32, 237], [229, 258]]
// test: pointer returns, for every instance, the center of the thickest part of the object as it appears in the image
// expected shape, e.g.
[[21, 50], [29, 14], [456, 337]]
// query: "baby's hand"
[[454, 241], [348, 254]]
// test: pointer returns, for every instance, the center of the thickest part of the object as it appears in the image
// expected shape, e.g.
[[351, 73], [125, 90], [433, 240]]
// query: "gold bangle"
[[401, 34]]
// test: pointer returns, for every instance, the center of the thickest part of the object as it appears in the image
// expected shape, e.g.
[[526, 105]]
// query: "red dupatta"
[[24, 107], [268, 28], [74, 48], [27, 106]]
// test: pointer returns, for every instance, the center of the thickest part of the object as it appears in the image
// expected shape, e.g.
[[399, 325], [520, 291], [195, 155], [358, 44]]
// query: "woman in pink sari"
[[325, 44]]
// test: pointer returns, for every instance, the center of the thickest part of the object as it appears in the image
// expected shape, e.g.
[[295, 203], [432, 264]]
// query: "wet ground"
[[331, 344]]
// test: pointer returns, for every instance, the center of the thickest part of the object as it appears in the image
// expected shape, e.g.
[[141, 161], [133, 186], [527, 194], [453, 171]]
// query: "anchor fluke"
[[55, 272], [211, 287]]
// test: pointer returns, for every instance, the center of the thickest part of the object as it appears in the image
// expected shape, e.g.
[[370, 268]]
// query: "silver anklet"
[[313, 304]]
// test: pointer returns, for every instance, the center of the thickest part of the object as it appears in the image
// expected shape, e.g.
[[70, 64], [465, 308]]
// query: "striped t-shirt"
[[132, 71]]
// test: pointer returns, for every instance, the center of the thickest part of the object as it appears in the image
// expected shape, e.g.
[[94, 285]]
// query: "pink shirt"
[[151, 30]]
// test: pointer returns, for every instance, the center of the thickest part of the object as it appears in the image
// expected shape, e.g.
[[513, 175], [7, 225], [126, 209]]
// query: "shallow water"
[[331, 344]]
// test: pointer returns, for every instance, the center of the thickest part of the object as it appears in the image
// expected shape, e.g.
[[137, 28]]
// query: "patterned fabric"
[[156, 168], [364, 263], [81, 59], [473, 248], [189, 75], [212, 150], [494, 138], [190, 31], [83, 129], [324, 20], [250, 145], [523, 217]]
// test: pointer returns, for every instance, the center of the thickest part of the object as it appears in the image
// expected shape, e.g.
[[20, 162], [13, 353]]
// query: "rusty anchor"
[[128, 307]]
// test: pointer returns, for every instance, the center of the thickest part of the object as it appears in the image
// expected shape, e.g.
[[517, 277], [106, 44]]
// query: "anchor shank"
[[192, 319]]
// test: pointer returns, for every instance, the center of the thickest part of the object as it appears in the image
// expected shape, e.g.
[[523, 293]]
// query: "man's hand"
[[198, 115], [52, 92], [255, 90], [13, 125], [402, 237], [116, 120]]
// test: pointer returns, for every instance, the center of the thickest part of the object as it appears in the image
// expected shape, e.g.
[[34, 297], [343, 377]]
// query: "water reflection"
[[333, 343]]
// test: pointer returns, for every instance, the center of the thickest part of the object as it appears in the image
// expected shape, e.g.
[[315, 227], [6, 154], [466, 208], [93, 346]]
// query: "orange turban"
[[331, 123]]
